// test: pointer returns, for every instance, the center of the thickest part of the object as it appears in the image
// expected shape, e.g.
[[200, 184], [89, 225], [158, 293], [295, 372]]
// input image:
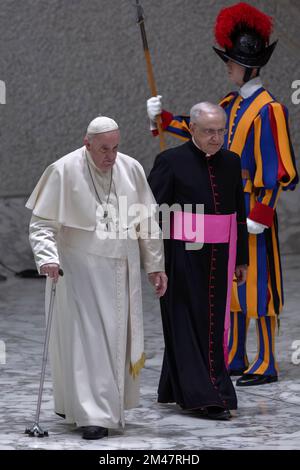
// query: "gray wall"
[[66, 61]]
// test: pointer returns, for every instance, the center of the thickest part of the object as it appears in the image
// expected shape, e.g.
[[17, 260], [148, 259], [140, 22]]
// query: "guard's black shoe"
[[248, 380], [94, 432], [218, 413], [238, 372]]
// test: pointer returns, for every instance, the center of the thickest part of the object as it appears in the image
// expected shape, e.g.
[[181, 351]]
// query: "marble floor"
[[268, 416]]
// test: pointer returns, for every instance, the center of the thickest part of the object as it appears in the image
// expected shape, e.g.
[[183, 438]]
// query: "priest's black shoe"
[[200, 412], [94, 432], [217, 413], [248, 380]]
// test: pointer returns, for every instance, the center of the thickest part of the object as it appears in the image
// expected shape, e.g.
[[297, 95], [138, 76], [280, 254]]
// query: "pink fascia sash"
[[206, 228]]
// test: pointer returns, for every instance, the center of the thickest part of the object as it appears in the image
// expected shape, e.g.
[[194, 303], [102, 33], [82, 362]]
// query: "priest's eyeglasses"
[[212, 132]]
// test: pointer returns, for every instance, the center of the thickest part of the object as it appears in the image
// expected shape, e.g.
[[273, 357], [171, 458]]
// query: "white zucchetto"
[[102, 124]]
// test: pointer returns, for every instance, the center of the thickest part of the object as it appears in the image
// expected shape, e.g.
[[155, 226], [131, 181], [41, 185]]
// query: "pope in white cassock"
[[93, 215]]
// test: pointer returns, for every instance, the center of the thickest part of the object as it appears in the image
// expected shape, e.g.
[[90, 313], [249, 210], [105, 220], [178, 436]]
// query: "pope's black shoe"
[[94, 432], [61, 415], [248, 380]]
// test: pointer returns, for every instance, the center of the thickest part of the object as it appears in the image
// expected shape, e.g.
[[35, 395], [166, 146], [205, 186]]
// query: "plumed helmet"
[[244, 32]]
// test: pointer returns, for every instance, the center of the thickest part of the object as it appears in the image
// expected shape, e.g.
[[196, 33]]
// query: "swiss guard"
[[258, 131]]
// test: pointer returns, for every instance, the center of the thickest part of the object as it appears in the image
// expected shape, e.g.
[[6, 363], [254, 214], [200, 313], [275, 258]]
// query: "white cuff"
[[153, 125], [255, 227]]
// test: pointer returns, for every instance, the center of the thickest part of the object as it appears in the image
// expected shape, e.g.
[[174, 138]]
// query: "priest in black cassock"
[[196, 305]]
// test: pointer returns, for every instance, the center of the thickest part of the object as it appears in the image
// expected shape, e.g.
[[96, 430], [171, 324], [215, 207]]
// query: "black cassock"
[[194, 373]]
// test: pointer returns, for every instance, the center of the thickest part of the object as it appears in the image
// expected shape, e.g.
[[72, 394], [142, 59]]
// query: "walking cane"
[[36, 430]]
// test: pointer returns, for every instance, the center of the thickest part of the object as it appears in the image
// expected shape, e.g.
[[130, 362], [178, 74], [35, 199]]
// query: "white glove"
[[154, 107], [255, 227]]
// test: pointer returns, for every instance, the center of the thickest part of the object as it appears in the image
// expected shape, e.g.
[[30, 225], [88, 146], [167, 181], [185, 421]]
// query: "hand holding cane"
[[36, 430]]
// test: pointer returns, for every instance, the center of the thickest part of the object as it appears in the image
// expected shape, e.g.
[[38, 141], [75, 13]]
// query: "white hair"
[[90, 137], [198, 111]]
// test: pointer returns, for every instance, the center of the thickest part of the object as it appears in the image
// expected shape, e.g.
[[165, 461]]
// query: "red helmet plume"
[[241, 14]]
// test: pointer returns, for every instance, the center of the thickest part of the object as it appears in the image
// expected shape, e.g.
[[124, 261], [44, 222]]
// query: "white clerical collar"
[[207, 154], [250, 87], [196, 144]]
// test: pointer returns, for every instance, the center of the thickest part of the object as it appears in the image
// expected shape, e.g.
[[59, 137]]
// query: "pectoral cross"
[[106, 219]]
